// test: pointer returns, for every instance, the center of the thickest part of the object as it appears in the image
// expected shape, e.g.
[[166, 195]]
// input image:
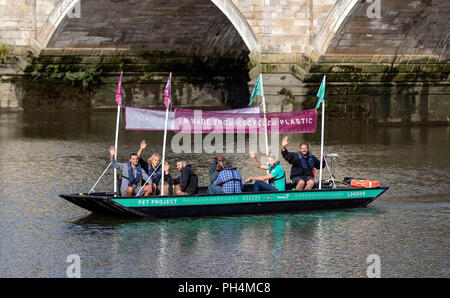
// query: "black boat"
[[247, 202]]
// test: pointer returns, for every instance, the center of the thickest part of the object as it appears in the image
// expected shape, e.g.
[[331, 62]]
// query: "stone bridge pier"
[[385, 61]]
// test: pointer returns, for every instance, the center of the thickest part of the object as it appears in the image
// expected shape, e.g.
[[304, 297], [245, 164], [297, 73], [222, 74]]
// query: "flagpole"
[[117, 131], [265, 120], [165, 134], [164, 151], [115, 147], [321, 142]]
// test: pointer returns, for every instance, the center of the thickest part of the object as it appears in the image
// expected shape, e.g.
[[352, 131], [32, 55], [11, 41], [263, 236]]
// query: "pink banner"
[[148, 119], [197, 121]]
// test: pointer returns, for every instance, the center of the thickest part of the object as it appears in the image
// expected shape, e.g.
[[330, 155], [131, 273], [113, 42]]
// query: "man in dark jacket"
[[303, 164], [187, 182]]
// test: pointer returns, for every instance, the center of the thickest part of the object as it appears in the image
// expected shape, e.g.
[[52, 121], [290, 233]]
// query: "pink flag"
[[119, 91], [167, 92]]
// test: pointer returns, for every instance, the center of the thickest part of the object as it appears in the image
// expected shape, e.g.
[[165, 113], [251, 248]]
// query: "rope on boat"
[[92, 188]]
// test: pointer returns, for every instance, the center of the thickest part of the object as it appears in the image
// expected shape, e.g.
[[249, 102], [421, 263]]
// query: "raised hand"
[[143, 145], [252, 154], [166, 168], [285, 141], [112, 151]]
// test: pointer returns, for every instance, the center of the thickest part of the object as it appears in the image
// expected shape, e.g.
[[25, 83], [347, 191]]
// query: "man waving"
[[132, 174], [303, 164]]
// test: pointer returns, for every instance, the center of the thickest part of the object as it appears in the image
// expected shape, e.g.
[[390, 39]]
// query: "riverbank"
[[378, 90]]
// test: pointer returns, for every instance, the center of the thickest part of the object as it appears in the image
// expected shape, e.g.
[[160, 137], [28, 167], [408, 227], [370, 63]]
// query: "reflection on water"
[[238, 246], [42, 155]]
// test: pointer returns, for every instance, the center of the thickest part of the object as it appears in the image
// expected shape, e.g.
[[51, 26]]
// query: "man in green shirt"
[[276, 176]]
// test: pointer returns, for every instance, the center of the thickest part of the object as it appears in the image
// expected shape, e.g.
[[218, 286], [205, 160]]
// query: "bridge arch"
[[402, 27], [54, 20], [227, 7], [239, 22], [333, 22]]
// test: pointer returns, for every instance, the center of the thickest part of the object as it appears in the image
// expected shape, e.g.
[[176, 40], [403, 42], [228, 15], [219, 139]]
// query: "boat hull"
[[226, 204]]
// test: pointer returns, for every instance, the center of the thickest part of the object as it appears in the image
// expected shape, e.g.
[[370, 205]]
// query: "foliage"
[[85, 77], [88, 77], [6, 54]]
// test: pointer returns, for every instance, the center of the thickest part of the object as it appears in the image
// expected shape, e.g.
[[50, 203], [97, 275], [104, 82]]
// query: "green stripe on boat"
[[248, 198]]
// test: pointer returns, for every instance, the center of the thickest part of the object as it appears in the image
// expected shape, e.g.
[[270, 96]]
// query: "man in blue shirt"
[[132, 174], [215, 168], [229, 180]]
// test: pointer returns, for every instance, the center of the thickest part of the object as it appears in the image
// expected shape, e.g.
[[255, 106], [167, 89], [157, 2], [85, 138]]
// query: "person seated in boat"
[[215, 168], [276, 176], [228, 180], [152, 167], [132, 174], [303, 164], [187, 182], [168, 180]]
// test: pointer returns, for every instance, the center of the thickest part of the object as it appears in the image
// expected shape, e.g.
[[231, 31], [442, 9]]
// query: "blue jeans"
[[215, 190], [262, 186]]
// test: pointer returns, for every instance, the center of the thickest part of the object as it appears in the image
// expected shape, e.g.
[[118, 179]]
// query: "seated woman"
[[229, 180], [276, 176], [152, 167]]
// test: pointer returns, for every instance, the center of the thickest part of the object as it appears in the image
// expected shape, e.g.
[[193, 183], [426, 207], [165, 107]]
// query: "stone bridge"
[[385, 61]]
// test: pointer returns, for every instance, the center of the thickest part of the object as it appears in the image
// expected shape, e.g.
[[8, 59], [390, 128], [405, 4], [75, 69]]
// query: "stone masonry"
[[385, 61]]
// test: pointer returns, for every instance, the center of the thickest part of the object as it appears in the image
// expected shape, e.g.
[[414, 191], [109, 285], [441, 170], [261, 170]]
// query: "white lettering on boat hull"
[[356, 194], [148, 202]]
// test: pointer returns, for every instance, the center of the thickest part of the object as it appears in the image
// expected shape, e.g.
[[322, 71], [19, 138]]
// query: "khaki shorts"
[[296, 179]]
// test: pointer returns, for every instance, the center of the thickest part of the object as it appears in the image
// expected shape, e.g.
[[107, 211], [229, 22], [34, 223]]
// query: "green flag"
[[321, 93], [257, 90]]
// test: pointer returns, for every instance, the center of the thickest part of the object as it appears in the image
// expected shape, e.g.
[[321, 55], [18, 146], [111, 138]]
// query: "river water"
[[44, 154]]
